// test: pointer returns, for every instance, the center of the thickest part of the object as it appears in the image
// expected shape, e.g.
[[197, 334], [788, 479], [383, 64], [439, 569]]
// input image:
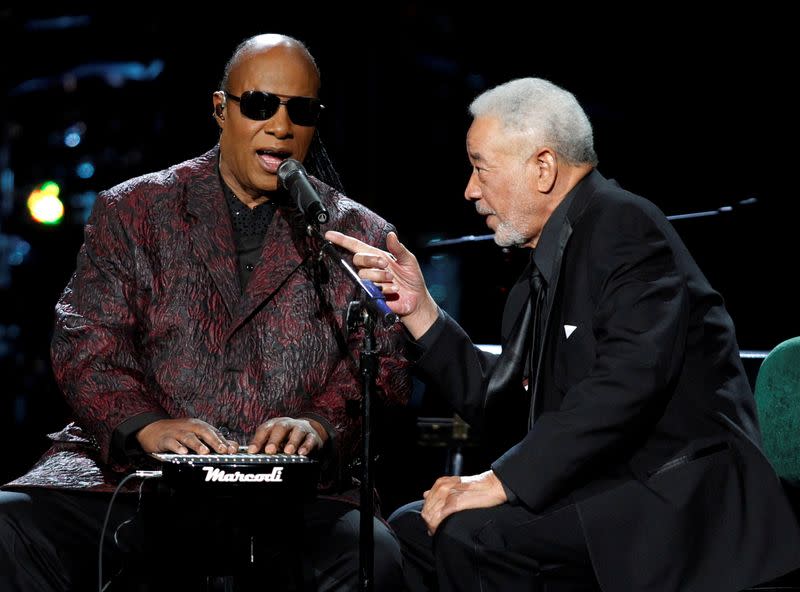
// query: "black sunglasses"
[[260, 105]]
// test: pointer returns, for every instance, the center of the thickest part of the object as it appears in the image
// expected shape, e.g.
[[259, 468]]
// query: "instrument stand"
[[363, 313]]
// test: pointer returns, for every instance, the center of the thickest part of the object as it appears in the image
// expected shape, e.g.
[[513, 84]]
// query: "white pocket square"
[[568, 329]]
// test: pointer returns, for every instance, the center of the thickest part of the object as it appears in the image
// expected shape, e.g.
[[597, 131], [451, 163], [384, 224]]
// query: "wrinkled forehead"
[[482, 130], [487, 135]]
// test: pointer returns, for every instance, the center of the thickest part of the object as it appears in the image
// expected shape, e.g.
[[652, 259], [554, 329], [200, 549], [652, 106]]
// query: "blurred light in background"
[[59, 22], [85, 170], [13, 251], [441, 274], [81, 206], [44, 205], [74, 135], [73, 125], [18, 250], [8, 333]]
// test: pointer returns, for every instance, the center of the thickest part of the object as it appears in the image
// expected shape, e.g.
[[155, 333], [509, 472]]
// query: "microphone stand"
[[366, 312]]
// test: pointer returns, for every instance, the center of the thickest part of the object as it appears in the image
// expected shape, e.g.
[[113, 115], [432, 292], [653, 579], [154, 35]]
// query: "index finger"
[[213, 439], [350, 243]]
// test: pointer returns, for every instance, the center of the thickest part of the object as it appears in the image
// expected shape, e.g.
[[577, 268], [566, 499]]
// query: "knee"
[[15, 508], [455, 536], [407, 523], [388, 560], [458, 534], [15, 515]]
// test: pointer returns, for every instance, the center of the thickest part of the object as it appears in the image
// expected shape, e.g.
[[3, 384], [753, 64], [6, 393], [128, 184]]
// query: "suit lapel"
[[563, 239], [580, 201], [212, 234], [282, 252]]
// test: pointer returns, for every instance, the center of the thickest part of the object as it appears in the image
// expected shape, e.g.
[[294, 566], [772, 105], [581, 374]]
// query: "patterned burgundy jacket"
[[154, 321]]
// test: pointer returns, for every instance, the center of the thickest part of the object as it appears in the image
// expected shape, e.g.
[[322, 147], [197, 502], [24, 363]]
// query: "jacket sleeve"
[[94, 350], [640, 323], [456, 368]]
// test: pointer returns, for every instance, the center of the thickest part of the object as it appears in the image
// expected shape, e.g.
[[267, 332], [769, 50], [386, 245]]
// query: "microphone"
[[294, 179], [377, 301]]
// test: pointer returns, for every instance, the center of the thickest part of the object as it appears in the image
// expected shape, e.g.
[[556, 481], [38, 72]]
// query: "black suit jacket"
[[649, 424]]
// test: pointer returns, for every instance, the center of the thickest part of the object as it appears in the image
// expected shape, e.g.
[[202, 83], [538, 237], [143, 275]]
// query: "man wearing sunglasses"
[[200, 319]]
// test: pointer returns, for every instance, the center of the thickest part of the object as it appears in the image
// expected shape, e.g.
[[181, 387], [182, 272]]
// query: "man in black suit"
[[634, 460]]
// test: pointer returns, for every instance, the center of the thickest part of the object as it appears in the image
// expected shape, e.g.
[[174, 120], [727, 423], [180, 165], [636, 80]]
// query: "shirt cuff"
[[124, 445]]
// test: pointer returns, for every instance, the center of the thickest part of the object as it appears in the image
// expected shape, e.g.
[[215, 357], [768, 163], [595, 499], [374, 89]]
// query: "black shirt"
[[249, 228]]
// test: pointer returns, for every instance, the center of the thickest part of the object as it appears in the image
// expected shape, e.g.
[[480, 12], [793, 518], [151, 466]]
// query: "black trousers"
[[504, 548], [49, 541]]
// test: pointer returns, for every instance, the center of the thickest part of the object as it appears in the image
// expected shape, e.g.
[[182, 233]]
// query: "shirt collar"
[[544, 254]]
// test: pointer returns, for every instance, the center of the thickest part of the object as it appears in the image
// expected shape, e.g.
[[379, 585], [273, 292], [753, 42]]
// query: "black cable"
[[141, 475], [129, 520]]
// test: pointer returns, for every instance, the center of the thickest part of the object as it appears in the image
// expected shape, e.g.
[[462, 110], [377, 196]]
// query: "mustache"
[[483, 210]]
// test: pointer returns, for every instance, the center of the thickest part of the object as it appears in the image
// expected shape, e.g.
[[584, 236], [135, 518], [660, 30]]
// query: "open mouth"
[[271, 159]]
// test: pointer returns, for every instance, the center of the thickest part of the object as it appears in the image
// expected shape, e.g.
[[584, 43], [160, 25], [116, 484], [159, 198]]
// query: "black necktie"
[[520, 354], [508, 406], [537, 304]]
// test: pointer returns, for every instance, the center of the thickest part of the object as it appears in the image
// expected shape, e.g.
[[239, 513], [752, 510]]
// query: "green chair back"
[[778, 398]]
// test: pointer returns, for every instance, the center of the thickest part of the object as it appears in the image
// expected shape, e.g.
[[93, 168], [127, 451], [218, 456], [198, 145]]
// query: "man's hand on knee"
[[453, 494]]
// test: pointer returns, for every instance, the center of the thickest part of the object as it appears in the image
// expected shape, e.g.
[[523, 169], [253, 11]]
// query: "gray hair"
[[544, 111]]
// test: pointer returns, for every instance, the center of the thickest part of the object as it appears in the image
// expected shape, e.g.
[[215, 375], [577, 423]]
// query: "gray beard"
[[508, 236]]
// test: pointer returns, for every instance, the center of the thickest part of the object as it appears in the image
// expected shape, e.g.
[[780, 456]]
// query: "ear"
[[545, 163], [219, 101]]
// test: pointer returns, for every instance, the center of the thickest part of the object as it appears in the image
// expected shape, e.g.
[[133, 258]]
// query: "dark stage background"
[[695, 118]]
